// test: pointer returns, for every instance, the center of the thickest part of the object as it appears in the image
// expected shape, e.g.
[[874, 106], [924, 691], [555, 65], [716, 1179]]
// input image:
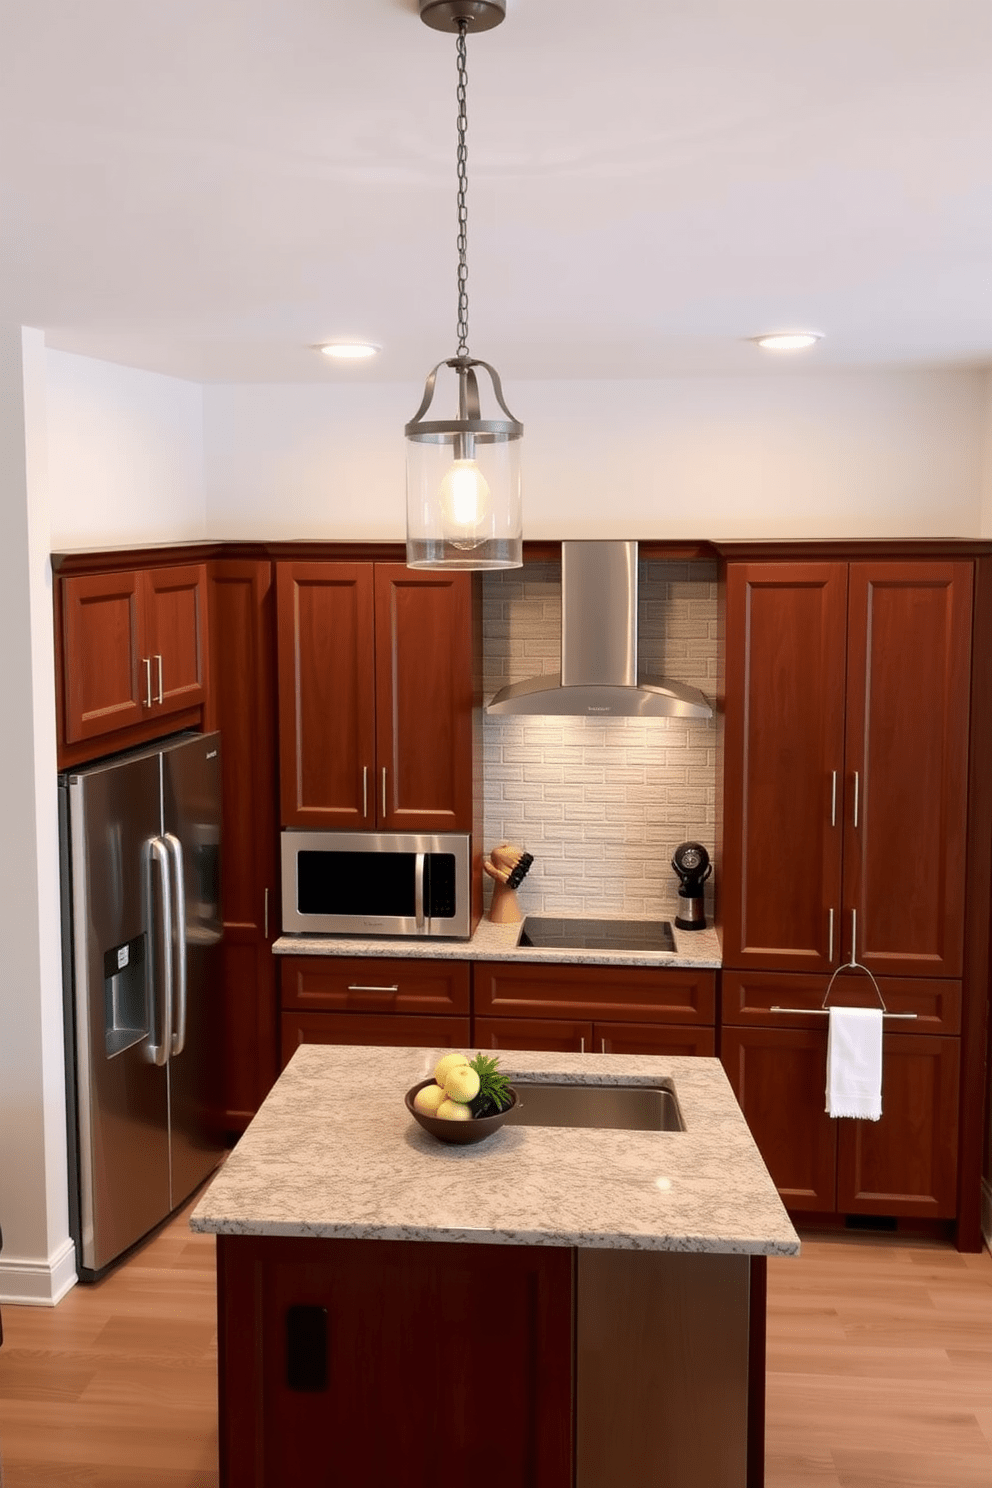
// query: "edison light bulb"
[[465, 503]]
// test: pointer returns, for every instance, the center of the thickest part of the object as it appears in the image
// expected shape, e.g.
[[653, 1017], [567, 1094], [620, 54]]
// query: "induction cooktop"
[[549, 932]]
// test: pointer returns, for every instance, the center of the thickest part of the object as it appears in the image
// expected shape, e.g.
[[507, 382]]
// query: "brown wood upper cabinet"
[[846, 757], [376, 696], [134, 648]]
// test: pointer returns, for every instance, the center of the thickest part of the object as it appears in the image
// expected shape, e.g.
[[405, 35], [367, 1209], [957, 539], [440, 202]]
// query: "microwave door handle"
[[418, 889], [158, 919], [177, 930]]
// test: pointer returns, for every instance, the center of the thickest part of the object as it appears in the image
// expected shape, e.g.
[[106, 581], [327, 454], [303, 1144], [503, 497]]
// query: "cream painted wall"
[[125, 454], [38, 1262], [865, 454]]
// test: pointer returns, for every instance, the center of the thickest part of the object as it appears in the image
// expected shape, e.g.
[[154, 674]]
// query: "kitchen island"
[[551, 1306]]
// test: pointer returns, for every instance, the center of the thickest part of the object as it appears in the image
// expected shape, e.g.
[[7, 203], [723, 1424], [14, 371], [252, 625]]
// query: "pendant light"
[[463, 473]]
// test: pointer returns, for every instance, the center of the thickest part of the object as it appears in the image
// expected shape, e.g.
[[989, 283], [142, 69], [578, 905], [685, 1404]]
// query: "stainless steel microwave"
[[377, 883]]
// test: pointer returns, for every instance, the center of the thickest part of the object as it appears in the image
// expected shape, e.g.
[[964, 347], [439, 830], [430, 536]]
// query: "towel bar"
[[852, 965], [825, 1012]]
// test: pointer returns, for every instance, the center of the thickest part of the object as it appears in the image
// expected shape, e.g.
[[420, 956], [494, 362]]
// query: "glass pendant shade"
[[463, 503]]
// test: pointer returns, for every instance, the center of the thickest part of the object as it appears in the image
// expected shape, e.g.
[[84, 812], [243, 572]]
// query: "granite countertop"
[[333, 1152], [700, 948]]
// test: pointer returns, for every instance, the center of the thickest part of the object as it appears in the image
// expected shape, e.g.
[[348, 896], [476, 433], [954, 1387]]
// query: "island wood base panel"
[[346, 1361], [428, 1355]]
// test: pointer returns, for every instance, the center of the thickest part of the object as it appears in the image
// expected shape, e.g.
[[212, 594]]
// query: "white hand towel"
[[854, 1063]]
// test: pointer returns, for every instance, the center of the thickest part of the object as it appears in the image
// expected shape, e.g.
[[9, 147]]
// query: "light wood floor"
[[879, 1371]]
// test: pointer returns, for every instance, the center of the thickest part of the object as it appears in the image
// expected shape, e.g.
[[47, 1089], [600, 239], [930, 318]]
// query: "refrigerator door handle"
[[178, 930], [158, 916]]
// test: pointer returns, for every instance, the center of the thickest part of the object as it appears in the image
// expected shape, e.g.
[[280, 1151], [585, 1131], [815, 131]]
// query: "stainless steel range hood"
[[599, 647]]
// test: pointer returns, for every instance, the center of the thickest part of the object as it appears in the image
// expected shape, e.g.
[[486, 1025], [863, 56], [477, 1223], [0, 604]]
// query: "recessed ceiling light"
[[788, 340], [349, 351]]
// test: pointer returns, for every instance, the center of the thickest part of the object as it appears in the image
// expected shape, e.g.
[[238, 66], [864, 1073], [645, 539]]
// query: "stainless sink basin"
[[614, 1107]]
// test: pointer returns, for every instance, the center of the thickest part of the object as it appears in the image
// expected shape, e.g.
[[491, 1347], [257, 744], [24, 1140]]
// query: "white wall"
[[861, 454], [38, 1261], [90, 455], [986, 499], [125, 455]]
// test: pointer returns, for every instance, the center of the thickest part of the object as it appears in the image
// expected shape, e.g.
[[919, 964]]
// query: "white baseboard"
[[987, 1211], [38, 1283]]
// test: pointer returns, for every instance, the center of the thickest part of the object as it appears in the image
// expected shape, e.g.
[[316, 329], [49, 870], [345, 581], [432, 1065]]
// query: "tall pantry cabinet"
[[846, 774]]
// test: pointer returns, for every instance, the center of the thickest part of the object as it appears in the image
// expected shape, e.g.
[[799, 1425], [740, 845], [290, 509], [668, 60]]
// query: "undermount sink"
[[612, 1107]]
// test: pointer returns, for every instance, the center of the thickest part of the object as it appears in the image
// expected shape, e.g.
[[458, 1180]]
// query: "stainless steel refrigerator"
[[140, 854]]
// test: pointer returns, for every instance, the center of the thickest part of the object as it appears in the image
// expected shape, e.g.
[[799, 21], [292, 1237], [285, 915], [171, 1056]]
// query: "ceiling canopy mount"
[[477, 15]]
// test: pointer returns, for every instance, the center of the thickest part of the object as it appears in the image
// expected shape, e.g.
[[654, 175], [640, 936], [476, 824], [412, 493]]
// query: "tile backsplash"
[[601, 803]]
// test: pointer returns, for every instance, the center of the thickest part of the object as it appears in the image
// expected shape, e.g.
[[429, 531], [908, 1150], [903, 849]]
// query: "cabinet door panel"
[[906, 1163], [373, 985], [545, 1034], [390, 1403], [174, 605], [907, 741], [326, 694], [652, 1038], [242, 706], [424, 699], [779, 1077], [784, 748], [103, 678], [384, 1029]]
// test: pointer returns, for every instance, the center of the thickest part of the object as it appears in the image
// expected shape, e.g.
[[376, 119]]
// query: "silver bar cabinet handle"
[[161, 695], [582, 1044], [602, 1046], [178, 927], [833, 798], [146, 662], [857, 790], [365, 791], [384, 791], [830, 934], [360, 987], [265, 915], [854, 936]]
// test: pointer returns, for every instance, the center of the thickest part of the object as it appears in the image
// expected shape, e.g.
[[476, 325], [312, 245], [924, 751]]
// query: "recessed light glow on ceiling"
[[788, 340], [349, 351]]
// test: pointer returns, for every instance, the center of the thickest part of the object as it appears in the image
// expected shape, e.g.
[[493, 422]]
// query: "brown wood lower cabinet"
[[594, 1009], [387, 1029], [591, 1037], [370, 1363], [903, 1165], [374, 1000]]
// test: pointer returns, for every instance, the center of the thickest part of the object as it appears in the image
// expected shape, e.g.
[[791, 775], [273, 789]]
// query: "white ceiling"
[[207, 187]]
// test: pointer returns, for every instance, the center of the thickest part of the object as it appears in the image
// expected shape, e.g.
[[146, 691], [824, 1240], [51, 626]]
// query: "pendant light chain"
[[462, 96]]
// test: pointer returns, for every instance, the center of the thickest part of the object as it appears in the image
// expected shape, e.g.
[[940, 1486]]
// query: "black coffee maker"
[[692, 864]]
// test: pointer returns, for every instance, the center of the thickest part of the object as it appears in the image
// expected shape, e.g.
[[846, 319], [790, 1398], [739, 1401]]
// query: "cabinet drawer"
[[384, 1029], [748, 997], [620, 993], [368, 984]]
